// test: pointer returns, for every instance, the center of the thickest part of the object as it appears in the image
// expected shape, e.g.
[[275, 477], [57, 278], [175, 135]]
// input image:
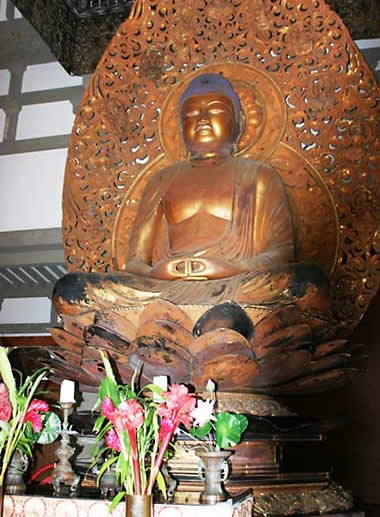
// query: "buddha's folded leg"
[[76, 293], [79, 292], [304, 285]]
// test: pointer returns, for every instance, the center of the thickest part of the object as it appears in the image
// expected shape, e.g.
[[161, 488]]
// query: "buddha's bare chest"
[[199, 191]]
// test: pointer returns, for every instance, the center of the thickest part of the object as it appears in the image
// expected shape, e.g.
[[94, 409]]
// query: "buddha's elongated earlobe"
[[242, 123], [235, 145]]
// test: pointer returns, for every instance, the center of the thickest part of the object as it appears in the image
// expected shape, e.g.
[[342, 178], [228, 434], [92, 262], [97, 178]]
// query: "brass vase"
[[138, 506], [214, 471], [14, 479]]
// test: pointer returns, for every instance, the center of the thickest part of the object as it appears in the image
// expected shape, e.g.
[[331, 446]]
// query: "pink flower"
[[178, 405], [33, 414], [128, 416], [175, 410], [112, 440], [167, 426], [204, 412], [5, 405], [38, 405], [107, 408]]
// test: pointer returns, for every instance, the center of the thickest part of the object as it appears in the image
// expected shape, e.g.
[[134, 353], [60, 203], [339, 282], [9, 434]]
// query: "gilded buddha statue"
[[245, 248], [210, 228], [214, 232]]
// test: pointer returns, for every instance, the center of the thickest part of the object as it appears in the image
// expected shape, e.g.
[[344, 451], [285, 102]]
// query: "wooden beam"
[[27, 341]]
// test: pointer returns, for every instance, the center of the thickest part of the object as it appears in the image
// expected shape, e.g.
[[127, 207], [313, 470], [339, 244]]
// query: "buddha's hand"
[[137, 267], [195, 268]]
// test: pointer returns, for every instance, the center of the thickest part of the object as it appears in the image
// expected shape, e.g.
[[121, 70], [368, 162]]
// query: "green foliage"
[[4, 431], [109, 388], [229, 428], [146, 435], [8, 377], [18, 433], [116, 500], [50, 430], [201, 432], [161, 483], [106, 465]]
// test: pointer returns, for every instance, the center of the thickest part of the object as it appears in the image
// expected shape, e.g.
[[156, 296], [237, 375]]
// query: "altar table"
[[38, 506]]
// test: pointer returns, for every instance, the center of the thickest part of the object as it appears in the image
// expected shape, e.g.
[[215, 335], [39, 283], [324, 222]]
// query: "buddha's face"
[[209, 124]]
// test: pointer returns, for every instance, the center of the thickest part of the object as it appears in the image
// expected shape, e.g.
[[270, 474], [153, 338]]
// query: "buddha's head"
[[211, 117]]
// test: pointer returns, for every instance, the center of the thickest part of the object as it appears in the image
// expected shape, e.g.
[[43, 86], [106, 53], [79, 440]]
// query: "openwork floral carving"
[[329, 127]]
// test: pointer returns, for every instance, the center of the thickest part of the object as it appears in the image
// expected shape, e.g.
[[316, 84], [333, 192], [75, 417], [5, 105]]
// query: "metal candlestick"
[[63, 472]]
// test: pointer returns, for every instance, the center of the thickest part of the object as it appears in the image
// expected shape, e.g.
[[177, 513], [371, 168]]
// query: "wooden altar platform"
[[42, 506]]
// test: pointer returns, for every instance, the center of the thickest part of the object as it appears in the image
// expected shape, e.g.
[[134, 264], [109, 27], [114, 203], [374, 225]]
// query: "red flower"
[[107, 408], [175, 410], [33, 414], [38, 405], [178, 405], [128, 416], [167, 427], [5, 405], [112, 440]]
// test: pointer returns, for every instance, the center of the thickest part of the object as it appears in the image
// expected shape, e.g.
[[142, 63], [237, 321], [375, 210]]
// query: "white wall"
[[31, 190], [31, 182]]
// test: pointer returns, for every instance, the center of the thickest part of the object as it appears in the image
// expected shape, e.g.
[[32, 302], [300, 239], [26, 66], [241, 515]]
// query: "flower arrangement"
[[24, 420], [137, 429], [219, 430]]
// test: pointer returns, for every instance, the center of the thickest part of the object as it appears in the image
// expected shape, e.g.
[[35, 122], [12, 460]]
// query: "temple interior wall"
[[354, 447], [31, 180]]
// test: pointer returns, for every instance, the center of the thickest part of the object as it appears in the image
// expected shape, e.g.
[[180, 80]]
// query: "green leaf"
[[8, 377], [108, 367], [108, 388], [227, 428], [201, 432], [24, 447], [98, 423], [125, 472], [105, 466], [116, 500], [50, 430], [29, 433], [103, 431], [161, 483], [243, 422], [154, 388], [4, 431]]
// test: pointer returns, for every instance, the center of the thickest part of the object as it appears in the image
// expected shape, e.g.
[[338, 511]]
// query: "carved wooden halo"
[[332, 106], [262, 104]]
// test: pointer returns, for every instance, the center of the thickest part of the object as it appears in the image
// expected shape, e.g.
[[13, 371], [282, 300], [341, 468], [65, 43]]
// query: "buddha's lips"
[[203, 127]]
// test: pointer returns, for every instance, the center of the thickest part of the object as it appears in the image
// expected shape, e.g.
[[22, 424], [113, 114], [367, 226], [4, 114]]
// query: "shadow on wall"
[[354, 450]]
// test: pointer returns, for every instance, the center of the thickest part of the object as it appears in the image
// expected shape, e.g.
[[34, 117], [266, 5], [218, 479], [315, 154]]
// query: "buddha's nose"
[[203, 115]]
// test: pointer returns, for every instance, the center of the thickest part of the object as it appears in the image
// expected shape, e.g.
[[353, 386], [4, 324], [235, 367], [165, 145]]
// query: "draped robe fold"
[[260, 236], [260, 229]]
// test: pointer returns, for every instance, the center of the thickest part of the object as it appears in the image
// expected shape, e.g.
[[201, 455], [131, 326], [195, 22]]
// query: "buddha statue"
[[212, 224], [214, 231]]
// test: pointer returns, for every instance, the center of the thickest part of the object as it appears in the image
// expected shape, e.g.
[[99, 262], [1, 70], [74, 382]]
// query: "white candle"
[[67, 392], [162, 382]]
